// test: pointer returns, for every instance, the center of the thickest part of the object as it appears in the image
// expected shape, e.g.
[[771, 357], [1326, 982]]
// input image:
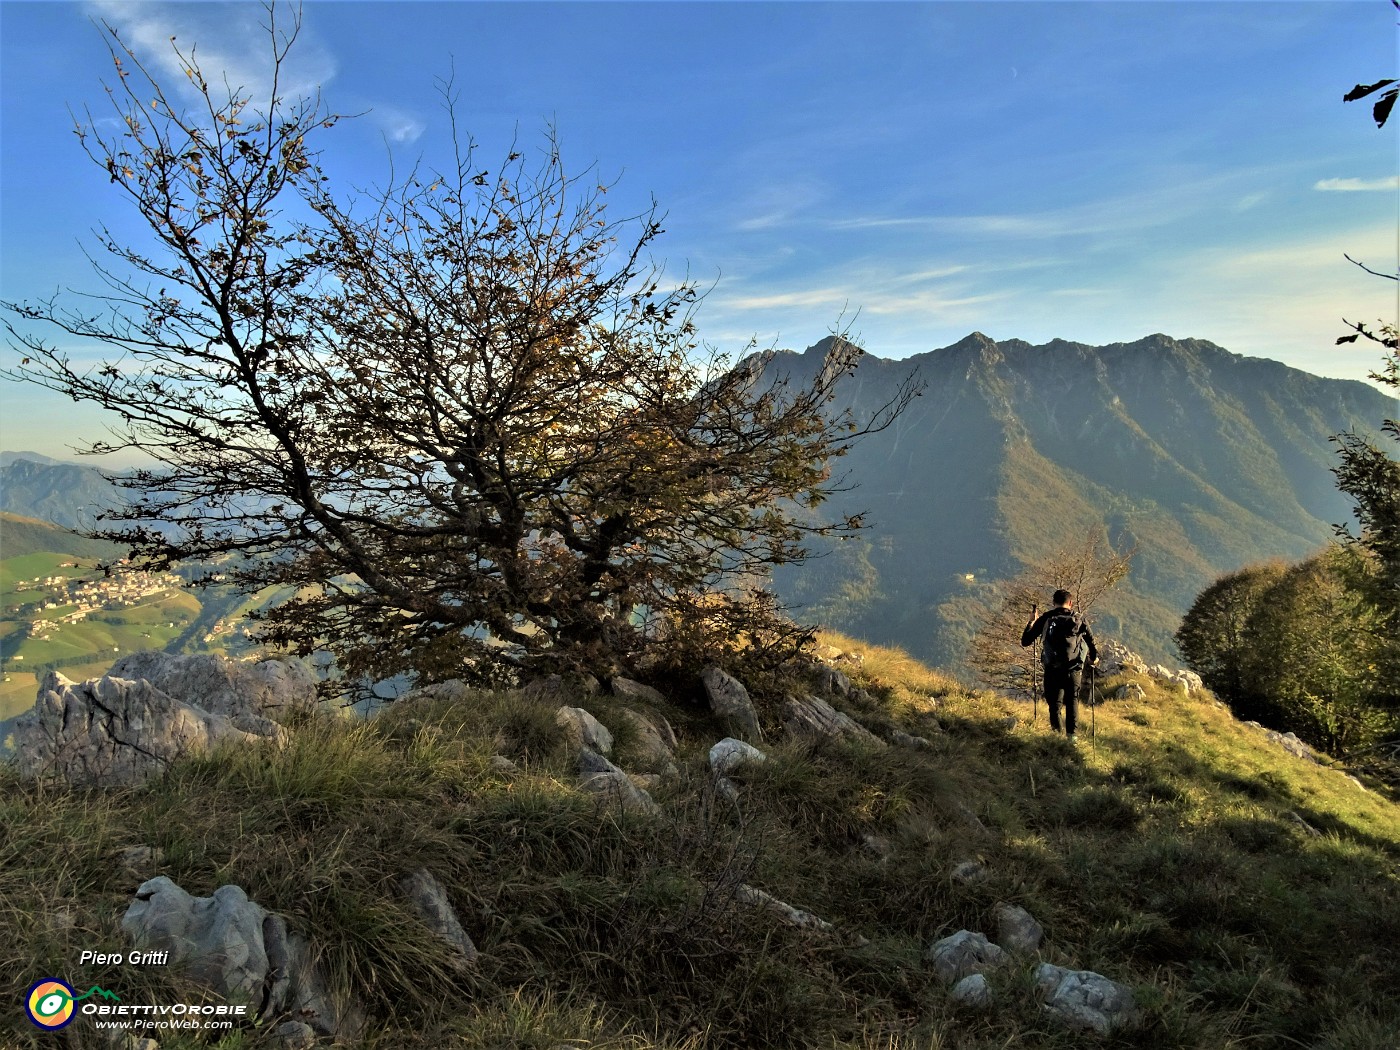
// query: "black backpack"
[[1061, 642]]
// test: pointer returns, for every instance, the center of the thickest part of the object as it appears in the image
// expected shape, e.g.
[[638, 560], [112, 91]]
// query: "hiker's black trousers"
[[1062, 687]]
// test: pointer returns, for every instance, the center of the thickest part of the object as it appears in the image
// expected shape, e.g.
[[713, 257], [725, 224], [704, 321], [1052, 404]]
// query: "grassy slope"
[[1163, 852]]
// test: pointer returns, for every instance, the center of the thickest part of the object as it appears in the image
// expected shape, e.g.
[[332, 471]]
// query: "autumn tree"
[[459, 418], [1087, 569]]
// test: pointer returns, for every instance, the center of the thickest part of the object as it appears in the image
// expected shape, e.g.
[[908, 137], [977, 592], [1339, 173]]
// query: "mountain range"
[[1201, 459], [67, 494]]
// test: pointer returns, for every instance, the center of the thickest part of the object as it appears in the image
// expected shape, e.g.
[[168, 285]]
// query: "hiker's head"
[[1062, 597]]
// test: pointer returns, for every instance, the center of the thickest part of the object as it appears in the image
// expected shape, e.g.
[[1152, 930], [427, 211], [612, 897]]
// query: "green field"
[[85, 649]]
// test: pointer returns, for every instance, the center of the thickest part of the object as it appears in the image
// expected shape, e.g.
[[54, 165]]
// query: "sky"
[[912, 172]]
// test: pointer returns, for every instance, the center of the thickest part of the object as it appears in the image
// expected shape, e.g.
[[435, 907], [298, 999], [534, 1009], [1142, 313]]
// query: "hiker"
[[1064, 637]]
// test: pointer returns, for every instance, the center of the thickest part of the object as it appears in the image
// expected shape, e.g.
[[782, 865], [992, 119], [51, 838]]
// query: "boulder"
[[1129, 691], [613, 788], [109, 731], [1017, 931], [814, 719], [963, 953], [1086, 1000], [730, 700], [730, 755], [599, 777], [429, 899], [239, 951], [583, 730], [973, 992]]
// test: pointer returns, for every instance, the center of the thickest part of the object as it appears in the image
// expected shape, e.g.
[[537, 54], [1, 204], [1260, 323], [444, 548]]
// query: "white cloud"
[[230, 43], [398, 125], [1357, 185]]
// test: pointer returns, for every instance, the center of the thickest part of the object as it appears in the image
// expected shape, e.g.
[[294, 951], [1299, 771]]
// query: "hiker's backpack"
[[1061, 641]]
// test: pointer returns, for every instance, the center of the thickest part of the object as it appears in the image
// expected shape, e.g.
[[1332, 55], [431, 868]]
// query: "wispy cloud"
[[1357, 185], [230, 42], [398, 125]]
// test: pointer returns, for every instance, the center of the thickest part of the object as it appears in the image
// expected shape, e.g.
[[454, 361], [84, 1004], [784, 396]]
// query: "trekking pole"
[[1094, 704], [1035, 689]]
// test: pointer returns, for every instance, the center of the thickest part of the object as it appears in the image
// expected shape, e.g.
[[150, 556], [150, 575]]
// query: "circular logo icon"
[[50, 1004]]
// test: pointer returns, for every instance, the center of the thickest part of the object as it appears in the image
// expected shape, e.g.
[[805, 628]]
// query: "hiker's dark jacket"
[[1036, 629]]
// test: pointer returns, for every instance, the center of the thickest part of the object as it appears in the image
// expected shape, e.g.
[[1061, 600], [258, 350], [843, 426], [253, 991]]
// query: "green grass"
[[1165, 852]]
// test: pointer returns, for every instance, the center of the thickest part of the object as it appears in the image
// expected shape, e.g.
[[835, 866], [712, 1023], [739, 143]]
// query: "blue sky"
[[1091, 171]]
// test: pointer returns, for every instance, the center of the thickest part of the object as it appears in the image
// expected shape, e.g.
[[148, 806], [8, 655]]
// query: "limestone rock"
[[730, 700], [236, 689], [1017, 931], [789, 915], [963, 953], [583, 730], [814, 718], [110, 731], [648, 782], [730, 755], [1129, 691], [1117, 658], [973, 992], [429, 899], [615, 789], [1086, 1000], [833, 683], [238, 950], [218, 939], [590, 762], [654, 745], [598, 776]]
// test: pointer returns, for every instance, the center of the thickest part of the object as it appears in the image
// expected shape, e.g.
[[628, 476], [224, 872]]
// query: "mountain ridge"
[[1203, 458]]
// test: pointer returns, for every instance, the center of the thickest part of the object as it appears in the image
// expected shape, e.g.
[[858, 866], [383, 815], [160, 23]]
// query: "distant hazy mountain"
[[20, 536], [66, 494], [1204, 459], [6, 458]]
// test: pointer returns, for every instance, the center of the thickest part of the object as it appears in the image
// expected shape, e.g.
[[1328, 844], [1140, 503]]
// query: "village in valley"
[[77, 615]]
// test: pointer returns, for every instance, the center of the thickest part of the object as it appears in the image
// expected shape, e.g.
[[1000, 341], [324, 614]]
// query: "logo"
[[50, 1002]]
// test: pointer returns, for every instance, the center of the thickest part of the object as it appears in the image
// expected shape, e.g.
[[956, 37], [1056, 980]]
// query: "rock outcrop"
[[240, 690], [812, 718], [113, 731]]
